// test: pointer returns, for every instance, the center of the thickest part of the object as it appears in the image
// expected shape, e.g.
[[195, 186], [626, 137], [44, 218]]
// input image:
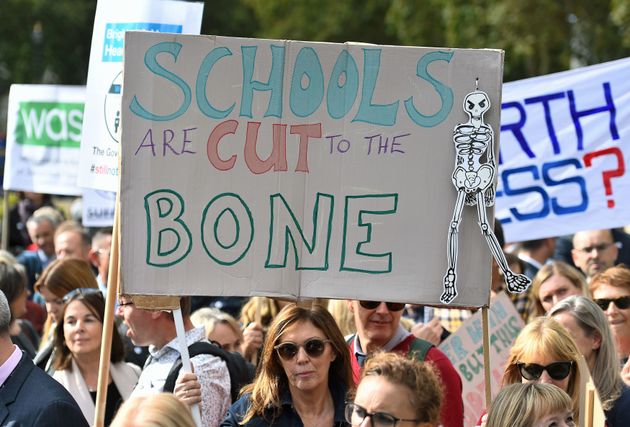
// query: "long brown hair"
[[60, 277], [271, 380], [94, 302], [64, 275]]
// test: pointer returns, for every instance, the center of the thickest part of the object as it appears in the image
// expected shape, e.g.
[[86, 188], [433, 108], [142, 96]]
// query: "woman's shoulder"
[[237, 411], [64, 376], [619, 414]]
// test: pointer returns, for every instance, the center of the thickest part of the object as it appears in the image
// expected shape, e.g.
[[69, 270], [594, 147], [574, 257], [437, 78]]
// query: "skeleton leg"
[[450, 278], [516, 283]]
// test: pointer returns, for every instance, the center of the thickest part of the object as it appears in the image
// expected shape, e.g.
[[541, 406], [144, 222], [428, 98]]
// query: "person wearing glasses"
[[594, 251], [303, 377], [208, 386], [60, 277], [78, 348], [544, 352], [553, 283], [588, 326], [611, 291], [379, 329], [531, 405], [395, 390]]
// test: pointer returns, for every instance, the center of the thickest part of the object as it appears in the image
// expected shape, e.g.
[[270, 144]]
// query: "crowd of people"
[[276, 362]]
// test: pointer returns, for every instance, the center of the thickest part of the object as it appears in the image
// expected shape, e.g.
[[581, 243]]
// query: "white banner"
[[98, 208], [565, 143], [101, 136], [297, 169], [464, 349], [43, 137]]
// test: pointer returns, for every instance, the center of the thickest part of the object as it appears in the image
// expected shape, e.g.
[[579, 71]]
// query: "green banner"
[[50, 124]]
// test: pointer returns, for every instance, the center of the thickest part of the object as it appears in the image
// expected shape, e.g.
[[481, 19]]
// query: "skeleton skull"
[[476, 104]]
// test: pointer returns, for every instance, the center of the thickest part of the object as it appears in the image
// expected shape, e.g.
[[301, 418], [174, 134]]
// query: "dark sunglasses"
[[356, 414], [391, 306], [621, 302], [314, 348], [533, 371], [80, 291]]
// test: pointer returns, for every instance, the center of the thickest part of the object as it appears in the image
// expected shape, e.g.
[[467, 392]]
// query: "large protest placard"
[[464, 349], [101, 132], [43, 137], [565, 144], [297, 169]]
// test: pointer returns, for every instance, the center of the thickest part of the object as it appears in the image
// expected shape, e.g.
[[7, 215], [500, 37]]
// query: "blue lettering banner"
[[565, 142]]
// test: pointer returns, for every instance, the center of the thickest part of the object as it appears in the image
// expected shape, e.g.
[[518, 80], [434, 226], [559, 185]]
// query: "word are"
[[309, 87], [228, 230]]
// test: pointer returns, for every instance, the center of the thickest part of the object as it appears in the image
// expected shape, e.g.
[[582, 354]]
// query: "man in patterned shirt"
[[157, 330]]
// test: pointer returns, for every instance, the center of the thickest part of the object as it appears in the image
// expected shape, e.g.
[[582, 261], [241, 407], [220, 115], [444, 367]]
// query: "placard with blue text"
[[565, 143]]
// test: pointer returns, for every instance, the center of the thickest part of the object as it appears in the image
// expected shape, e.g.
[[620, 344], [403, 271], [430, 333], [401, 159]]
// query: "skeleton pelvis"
[[473, 181]]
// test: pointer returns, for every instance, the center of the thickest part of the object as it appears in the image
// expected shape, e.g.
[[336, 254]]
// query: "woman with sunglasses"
[[544, 352], [60, 277], [396, 390], [611, 291], [78, 348], [303, 377], [588, 326], [531, 405]]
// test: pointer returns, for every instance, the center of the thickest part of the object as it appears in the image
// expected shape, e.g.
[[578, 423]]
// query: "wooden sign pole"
[[5, 221], [108, 321], [486, 355]]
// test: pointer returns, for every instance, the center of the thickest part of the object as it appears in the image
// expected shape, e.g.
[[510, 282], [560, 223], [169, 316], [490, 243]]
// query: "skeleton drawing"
[[474, 183]]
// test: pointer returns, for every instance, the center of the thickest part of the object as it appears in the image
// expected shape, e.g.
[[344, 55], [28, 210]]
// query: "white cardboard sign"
[[43, 137], [101, 132], [464, 349], [268, 167]]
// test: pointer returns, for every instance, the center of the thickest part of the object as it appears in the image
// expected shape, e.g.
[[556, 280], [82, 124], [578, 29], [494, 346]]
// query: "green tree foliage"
[[324, 20], [52, 38], [38, 36], [538, 36]]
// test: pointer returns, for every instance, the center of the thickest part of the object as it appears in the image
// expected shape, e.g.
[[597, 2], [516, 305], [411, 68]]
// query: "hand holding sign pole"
[[474, 181]]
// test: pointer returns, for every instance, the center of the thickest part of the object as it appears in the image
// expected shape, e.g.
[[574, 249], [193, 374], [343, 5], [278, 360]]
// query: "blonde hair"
[[558, 268], [269, 309], [342, 315], [592, 321], [522, 405], [157, 410], [422, 381], [209, 317], [545, 336]]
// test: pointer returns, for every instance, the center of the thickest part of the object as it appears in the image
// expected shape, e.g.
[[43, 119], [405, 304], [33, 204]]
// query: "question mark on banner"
[[609, 174]]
